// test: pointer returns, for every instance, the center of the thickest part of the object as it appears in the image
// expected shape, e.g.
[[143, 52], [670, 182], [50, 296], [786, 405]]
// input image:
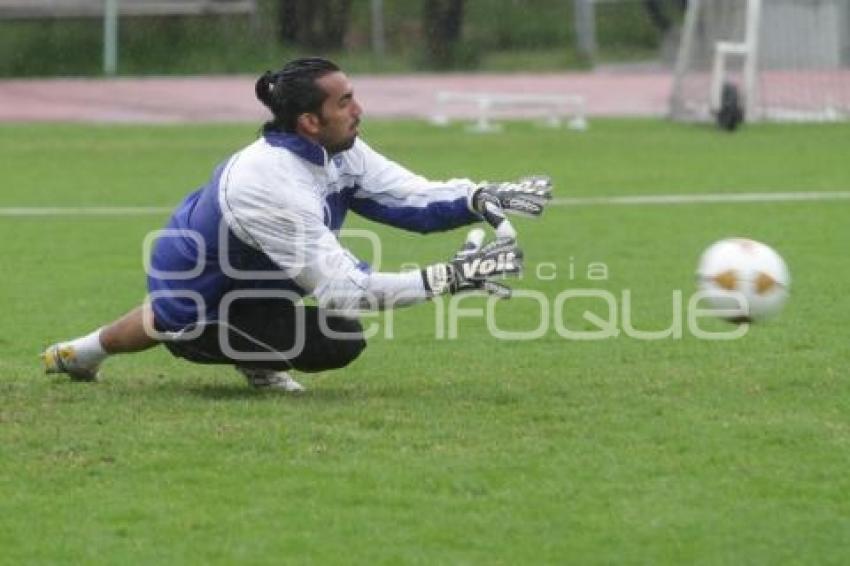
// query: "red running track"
[[231, 98]]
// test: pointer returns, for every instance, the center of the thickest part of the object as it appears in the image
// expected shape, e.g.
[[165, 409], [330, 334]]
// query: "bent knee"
[[348, 351], [333, 354], [324, 352]]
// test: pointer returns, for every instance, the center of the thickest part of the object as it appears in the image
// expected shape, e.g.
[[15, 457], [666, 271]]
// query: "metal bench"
[[486, 105], [110, 10]]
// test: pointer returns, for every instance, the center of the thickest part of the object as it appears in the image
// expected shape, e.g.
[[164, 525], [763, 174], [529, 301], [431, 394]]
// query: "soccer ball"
[[743, 280]]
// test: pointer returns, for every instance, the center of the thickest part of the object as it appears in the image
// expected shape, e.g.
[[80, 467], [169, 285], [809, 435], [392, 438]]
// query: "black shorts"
[[275, 334]]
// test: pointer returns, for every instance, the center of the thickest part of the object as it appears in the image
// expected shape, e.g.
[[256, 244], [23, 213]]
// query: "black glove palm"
[[527, 196]]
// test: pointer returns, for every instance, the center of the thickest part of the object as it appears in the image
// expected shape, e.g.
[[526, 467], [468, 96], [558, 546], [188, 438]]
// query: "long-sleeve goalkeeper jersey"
[[267, 223]]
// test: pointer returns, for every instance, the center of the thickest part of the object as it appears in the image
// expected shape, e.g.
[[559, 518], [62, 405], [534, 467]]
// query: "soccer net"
[[788, 59]]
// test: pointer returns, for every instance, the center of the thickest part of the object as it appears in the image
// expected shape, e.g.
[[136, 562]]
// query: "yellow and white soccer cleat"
[[62, 358]]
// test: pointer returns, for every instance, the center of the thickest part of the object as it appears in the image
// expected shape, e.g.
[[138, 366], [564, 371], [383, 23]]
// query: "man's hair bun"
[[265, 89]]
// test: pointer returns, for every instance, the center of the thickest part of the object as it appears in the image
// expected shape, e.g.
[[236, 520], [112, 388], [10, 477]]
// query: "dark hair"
[[291, 91]]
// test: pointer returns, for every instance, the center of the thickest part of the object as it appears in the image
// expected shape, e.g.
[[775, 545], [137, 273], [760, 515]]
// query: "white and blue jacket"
[[269, 219]]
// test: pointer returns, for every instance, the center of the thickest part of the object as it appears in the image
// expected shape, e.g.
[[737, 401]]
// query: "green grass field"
[[472, 450]]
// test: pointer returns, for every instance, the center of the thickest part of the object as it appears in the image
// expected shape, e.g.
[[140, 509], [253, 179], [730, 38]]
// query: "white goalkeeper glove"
[[475, 267], [528, 197]]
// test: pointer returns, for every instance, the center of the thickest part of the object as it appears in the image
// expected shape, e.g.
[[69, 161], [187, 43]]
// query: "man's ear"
[[309, 123]]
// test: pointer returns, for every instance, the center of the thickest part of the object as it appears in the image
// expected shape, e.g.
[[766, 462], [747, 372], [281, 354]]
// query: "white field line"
[[85, 211], [714, 198]]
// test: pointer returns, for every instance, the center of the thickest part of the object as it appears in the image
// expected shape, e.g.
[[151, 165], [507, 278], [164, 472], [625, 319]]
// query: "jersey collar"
[[300, 146]]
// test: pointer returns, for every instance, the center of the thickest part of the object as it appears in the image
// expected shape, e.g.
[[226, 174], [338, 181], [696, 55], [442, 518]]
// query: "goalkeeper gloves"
[[527, 196], [474, 267]]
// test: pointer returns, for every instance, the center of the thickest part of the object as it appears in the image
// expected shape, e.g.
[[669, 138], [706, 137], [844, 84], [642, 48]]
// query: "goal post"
[[788, 59]]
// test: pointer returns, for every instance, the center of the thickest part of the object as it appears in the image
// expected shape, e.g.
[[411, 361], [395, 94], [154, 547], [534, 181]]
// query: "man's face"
[[340, 113]]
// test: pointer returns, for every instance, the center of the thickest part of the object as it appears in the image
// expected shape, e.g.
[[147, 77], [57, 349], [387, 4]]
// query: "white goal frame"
[[746, 52]]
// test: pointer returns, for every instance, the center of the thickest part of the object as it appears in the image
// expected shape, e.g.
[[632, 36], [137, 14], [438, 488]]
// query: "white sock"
[[88, 349]]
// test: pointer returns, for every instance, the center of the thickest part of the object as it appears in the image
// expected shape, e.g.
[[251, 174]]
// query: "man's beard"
[[342, 145]]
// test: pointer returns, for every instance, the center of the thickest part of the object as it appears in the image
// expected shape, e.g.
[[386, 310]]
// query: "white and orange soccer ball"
[[743, 280]]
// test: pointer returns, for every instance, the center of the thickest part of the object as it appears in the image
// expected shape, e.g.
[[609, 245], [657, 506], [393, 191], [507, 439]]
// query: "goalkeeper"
[[226, 275]]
